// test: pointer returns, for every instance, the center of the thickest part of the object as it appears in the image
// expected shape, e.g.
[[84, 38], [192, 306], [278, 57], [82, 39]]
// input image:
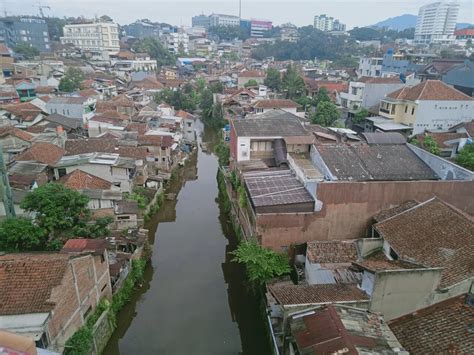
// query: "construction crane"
[[41, 7]]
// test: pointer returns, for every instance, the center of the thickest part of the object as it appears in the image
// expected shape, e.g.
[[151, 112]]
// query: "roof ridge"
[[423, 90], [407, 210]]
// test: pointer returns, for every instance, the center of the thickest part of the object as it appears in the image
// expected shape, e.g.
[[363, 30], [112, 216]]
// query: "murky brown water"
[[193, 300]]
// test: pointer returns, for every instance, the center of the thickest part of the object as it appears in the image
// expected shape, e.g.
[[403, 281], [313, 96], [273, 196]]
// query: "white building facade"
[[98, 37], [177, 41], [436, 23], [223, 20]]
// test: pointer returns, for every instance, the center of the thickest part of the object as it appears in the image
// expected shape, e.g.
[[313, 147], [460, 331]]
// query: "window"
[[117, 184], [123, 217], [102, 258], [413, 111], [103, 288], [61, 172], [406, 109]]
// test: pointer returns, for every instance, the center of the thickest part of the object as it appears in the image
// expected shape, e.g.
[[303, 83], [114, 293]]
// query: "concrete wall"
[[444, 114], [347, 209], [398, 292], [445, 169], [374, 93]]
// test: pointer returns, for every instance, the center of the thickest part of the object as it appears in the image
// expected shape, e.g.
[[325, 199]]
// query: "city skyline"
[[347, 11]]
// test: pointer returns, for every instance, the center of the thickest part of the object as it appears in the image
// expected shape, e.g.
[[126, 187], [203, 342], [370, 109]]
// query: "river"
[[193, 299]]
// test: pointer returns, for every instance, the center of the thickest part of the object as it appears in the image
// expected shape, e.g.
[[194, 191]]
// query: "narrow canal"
[[194, 299]]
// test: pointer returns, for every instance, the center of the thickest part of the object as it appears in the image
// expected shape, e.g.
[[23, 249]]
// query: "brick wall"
[[84, 284], [348, 208]]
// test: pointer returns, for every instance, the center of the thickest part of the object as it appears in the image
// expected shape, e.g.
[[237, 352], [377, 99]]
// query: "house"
[[368, 91], [188, 126], [106, 121], [349, 180], [333, 88], [102, 194], [261, 106], [430, 105], [26, 90], [448, 143], [23, 114], [437, 68], [160, 148], [245, 76], [111, 167], [334, 329], [8, 95], [120, 103], [444, 327], [419, 255], [461, 77], [256, 138], [72, 107], [55, 298], [328, 262], [13, 141], [41, 152]]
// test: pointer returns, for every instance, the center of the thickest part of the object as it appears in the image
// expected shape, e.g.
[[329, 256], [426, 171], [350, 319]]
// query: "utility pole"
[[5, 189], [240, 9]]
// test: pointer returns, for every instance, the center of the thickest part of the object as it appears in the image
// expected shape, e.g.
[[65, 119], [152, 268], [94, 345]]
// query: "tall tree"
[[71, 80], [57, 209], [156, 50], [293, 83], [326, 114], [273, 79], [26, 50]]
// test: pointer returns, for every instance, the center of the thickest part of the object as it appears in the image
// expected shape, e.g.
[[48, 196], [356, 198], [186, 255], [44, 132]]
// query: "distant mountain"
[[405, 21], [460, 26], [398, 23]]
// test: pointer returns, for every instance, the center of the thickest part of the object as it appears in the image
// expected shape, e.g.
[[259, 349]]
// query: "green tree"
[[20, 234], [293, 83], [251, 83], [431, 145], [326, 114], [360, 116], [71, 80], [216, 88], [223, 153], [465, 157], [322, 95], [273, 79], [229, 33], [156, 50], [57, 209], [26, 50], [207, 101], [181, 51], [262, 264]]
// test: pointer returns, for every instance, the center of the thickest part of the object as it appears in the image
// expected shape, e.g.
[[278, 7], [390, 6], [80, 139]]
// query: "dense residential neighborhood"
[[254, 188]]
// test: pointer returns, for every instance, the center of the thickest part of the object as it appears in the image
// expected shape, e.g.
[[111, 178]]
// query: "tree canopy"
[[71, 80], [25, 50], [326, 114], [156, 50], [262, 264], [293, 83], [20, 234], [273, 79], [465, 157], [228, 33], [251, 83]]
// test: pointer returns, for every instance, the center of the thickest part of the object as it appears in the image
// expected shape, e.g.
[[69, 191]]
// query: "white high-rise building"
[[436, 22], [223, 20], [97, 37], [323, 23]]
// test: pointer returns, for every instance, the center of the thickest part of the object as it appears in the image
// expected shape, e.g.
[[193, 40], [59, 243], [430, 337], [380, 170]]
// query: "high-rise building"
[[94, 37], [327, 24], [140, 30], [436, 22], [201, 21], [223, 20], [25, 29], [259, 27]]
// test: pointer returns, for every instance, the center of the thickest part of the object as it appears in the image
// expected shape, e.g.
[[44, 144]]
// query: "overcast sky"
[[179, 12]]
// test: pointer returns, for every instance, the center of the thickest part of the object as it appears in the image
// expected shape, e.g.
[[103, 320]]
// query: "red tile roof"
[[443, 328], [94, 246], [45, 153], [379, 262], [433, 234], [27, 280], [80, 180], [464, 32], [155, 140], [9, 130], [99, 145], [441, 138], [25, 110], [321, 252], [429, 90], [383, 215], [276, 103], [313, 294]]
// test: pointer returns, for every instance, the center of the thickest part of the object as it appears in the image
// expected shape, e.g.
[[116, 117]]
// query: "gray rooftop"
[[369, 162], [275, 123], [275, 187]]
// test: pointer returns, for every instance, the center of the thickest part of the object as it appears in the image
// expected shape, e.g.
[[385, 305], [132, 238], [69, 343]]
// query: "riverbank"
[[193, 298]]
